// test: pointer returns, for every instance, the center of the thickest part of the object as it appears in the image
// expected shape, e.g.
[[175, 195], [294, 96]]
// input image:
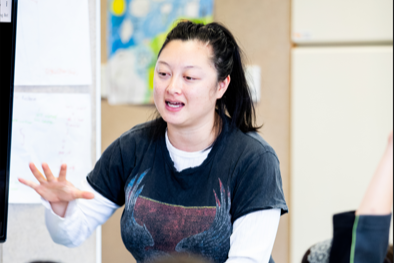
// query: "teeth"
[[174, 105]]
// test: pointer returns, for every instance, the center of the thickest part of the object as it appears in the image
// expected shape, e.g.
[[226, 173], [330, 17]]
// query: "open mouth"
[[174, 104]]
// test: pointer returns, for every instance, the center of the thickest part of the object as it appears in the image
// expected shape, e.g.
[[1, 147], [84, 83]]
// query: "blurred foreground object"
[[8, 18], [362, 236]]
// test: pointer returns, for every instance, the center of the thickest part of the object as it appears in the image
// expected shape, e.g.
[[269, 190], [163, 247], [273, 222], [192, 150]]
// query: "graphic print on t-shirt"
[[151, 228]]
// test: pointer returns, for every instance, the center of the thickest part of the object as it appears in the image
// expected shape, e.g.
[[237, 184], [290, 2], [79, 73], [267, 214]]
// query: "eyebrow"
[[189, 66]]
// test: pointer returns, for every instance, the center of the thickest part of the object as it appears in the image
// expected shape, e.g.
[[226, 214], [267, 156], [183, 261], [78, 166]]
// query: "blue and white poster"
[[136, 32]]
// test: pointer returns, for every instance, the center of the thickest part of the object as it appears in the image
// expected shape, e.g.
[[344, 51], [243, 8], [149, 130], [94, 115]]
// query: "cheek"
[[157, 91], [212, 91], [157, 86], [203, 95]]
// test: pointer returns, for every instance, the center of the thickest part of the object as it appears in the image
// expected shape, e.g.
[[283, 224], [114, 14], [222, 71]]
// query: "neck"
[[192, 139]]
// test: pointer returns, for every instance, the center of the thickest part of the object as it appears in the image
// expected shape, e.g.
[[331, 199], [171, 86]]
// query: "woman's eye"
[[163, 74], [189, 78]]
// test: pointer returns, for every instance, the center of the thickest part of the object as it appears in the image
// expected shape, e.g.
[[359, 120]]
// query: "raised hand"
[[57, 190], [378, 199]]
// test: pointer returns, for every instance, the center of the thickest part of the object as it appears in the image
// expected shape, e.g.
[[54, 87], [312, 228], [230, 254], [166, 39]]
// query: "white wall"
[[342, 113], [338, 21]]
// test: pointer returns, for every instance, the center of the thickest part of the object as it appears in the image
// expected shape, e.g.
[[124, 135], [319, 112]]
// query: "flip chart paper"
[[52, 46], [51, 128]]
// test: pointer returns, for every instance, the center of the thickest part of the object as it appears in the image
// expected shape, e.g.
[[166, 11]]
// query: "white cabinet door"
[[342, 113], [339, 21]]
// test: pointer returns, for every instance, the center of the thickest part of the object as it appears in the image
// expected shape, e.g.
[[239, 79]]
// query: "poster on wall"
[[136, 32], [53, 43]]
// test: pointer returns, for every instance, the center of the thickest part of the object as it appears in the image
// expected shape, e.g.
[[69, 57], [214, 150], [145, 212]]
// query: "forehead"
[[191, 52]]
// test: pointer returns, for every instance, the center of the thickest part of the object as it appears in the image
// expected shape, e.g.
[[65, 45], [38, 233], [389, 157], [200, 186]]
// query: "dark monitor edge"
[[3, 236]]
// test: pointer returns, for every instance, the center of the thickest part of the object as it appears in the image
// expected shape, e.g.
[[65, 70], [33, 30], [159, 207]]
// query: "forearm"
[[71, 229], [59, 208], [80, 219], [378, 199]]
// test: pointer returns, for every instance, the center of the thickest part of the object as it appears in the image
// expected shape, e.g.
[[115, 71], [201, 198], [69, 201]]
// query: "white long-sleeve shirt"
[[252, 239]]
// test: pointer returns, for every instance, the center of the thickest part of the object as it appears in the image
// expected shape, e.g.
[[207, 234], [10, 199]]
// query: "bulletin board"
[[73, 94]]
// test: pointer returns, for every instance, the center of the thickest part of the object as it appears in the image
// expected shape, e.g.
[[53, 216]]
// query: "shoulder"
[[141, 133], [256, 180], [142, 130], [252, 144], [133, 142], [260, 143]]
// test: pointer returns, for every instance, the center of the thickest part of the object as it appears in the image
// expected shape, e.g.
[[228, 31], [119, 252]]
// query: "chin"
[[174, 121]]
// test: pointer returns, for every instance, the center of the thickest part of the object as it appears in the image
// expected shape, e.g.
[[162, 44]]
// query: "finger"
[[28, 183], [85, 195], [37, 174], [48, 173], [63, 172]]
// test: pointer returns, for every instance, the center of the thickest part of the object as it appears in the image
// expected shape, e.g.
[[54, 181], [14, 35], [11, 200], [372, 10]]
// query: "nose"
[[175, 86]]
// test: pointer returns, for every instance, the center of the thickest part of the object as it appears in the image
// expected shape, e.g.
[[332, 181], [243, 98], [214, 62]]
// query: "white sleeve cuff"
[[254, 236], [81, 218]]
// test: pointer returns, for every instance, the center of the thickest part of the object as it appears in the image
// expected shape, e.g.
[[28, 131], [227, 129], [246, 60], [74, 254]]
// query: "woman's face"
[[185, 84]]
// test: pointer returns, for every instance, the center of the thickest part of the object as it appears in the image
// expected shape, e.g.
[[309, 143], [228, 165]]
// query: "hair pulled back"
[[227, 58]]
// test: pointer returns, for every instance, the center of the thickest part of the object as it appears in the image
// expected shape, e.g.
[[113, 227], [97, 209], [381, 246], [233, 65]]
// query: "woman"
[[198, 179]]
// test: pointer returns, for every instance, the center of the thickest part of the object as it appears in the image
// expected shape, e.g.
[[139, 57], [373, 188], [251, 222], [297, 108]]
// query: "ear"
[[223, 85]]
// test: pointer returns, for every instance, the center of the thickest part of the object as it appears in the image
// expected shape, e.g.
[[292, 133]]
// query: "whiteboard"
[[342, 113], [336, 21]]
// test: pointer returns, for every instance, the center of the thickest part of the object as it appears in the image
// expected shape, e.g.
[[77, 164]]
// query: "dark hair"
[[389, 255], [236, 102], [305, 257]]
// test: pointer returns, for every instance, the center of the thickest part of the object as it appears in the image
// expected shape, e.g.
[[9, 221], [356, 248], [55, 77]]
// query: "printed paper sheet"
[[52, 46], [5, 11], [51, 128]]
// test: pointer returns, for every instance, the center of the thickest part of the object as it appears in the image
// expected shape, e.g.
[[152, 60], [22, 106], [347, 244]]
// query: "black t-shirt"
[[193, 210]]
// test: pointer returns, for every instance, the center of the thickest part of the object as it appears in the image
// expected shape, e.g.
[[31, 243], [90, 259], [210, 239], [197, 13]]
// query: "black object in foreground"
[[8, 17]]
